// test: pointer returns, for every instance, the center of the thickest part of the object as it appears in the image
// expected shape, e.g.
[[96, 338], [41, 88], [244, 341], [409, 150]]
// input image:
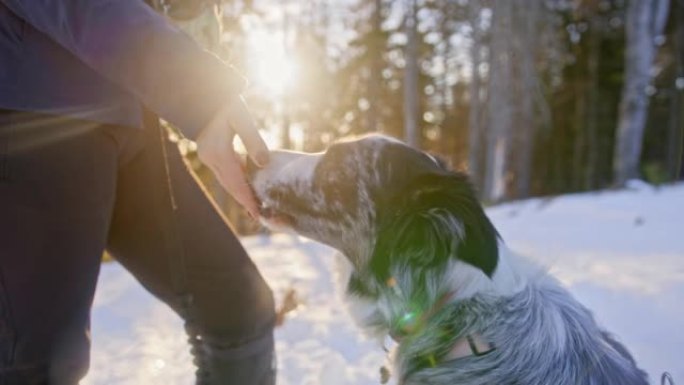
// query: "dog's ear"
[[437, 218]]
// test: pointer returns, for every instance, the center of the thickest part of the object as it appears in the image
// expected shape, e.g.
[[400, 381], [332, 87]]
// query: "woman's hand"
[[215, 149]]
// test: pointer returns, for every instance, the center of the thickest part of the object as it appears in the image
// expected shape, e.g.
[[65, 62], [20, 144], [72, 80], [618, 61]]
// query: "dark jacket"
[[101, 59]]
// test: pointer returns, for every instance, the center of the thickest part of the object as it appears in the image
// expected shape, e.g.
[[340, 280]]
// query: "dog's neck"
[[462, 282], [459, 280], [468, 345], [466, 281], [546, 315]]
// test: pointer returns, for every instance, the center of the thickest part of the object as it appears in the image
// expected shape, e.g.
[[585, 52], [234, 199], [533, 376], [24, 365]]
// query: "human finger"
[[232, 177], [244, 126]]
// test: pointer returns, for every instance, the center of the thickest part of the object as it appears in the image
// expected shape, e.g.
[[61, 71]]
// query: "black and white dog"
[[427, 267]]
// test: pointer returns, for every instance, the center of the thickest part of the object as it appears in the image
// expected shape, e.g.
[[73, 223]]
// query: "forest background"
[[530, 97]]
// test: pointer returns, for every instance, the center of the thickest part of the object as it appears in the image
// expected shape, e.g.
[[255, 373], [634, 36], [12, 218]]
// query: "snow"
[[620, 252]]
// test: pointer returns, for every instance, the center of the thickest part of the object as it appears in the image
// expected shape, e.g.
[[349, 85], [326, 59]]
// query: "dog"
[[426, 266]]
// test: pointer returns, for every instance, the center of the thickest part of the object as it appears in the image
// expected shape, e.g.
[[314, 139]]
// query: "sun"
[[269, 66]]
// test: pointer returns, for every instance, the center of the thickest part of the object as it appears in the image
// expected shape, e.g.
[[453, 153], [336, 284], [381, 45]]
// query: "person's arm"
[[138, 49], [133, 46]]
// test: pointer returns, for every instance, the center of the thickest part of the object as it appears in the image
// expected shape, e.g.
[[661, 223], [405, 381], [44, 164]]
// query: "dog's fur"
[[414, 234]]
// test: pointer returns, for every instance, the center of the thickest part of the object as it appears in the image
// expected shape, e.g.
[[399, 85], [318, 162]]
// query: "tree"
[[376, 65], [517, 104], [475, 134], [644, 27], [675, 160], [532, 110], [500, 114], [412, 135]]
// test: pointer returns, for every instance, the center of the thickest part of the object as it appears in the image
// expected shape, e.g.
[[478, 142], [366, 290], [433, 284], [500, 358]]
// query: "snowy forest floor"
[[621, 253]]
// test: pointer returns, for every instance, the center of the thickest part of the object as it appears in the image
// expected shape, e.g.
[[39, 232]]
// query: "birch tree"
[[499, 109], [530, 103], [474, 116], [676, 129], [411, 73], [376, 51], [644, 25]]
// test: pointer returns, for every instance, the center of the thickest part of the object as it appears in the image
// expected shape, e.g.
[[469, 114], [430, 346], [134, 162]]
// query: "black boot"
[[251, 363]]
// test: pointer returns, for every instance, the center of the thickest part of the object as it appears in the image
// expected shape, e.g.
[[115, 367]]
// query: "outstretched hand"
[[215, 149]]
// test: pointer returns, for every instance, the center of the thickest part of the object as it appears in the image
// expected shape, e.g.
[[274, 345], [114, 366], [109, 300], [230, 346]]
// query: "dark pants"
[[71, 189]]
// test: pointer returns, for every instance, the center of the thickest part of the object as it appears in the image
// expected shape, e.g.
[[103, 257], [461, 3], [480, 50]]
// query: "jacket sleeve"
[[130, 44]]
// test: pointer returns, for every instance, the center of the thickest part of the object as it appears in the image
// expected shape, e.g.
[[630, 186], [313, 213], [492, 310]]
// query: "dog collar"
[[470, 345]]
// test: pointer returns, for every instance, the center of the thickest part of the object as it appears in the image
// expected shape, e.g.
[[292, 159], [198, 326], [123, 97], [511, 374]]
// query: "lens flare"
[[270, 66]]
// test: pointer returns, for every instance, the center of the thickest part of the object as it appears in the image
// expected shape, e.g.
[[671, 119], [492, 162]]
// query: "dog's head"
[[378, 201]]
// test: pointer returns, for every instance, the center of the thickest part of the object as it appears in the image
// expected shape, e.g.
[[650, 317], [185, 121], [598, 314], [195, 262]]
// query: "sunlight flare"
[[271, 68]]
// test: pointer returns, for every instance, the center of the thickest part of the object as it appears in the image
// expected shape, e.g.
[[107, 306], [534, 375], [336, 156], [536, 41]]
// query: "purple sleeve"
[[130, 44]]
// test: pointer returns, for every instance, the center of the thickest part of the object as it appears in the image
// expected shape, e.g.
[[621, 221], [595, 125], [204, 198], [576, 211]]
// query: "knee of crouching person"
[[235, 317]]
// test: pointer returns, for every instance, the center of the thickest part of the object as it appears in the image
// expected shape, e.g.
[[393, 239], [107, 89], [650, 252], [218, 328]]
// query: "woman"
[[84, 167]]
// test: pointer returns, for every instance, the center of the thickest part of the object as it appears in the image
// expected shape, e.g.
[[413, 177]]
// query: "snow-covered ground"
[[621, 253]]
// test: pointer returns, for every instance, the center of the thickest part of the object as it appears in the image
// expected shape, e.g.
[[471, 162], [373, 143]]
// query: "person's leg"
[[168, 233], [57, 182]]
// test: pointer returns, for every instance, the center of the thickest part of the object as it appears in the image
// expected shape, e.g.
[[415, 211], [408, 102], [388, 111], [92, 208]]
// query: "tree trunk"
[[578, 124], [285, 140], [474, 114], [499, 108], [448, 100], [526, 42], [676, 130], [595, 33], [643, 24], [411, 72], [375, 83]]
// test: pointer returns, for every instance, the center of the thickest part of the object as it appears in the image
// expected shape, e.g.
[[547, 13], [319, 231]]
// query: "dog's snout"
[[285, 167], [279, 159]]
